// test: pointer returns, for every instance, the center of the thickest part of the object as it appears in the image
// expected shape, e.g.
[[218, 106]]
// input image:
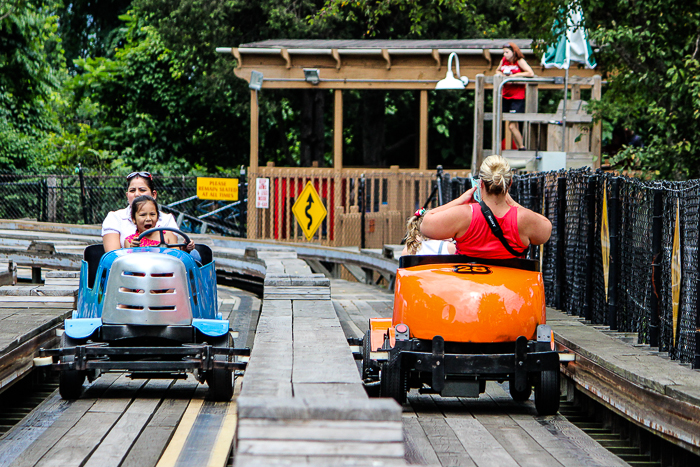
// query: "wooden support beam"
[[495, 144], [254, 114], [253, 166], [423, 133], [338, 130], [531, 98]]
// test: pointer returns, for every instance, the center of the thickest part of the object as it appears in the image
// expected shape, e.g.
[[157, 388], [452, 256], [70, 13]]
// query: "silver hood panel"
[[147, 289]]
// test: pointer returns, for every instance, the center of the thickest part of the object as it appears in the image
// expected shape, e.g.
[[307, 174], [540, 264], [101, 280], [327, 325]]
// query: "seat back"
[[92, 256], [205, 253]]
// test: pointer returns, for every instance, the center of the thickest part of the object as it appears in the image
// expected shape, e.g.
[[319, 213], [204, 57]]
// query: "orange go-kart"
[[459, 322]]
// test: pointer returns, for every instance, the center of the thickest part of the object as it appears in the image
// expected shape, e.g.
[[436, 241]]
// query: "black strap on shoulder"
[[497, 231]]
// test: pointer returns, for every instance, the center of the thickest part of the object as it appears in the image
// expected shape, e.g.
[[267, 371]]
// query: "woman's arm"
[[538, 228], [110, 242], [527, 71]]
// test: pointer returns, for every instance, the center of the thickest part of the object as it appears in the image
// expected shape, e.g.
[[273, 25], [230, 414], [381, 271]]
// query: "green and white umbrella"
[[572, 46]]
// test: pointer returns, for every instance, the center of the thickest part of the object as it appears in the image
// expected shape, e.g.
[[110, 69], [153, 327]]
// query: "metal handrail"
[[499, 99]]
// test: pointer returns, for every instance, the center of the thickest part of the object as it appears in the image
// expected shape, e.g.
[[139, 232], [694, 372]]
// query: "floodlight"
[[256, 80], [311, 76]]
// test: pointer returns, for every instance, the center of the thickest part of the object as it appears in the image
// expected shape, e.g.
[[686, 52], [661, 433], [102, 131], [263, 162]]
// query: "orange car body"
[[469, 302]]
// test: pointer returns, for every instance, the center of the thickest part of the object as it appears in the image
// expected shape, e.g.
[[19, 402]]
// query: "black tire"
[[392, 381], [519, 396], [221, 380], [70, 382], [366, 349], [547, 393], [369, 372]]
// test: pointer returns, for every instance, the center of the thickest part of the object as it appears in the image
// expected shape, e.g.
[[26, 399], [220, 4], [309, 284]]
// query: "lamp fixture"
[[311, 76], [256, 80], [449, 81]]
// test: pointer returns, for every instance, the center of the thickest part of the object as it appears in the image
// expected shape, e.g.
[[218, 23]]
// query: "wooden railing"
[[391, 195]]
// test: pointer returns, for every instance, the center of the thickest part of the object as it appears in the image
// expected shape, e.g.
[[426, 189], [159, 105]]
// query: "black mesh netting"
[[581, 282]]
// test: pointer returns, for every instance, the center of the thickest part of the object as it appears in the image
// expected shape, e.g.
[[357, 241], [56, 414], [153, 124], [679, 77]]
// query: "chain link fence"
[[86, 198]]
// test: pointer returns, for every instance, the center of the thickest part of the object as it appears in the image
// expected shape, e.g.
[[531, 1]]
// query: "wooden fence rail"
[[391, 195]]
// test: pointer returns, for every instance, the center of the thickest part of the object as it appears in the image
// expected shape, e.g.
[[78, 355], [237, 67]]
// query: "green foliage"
[[422, 19], [650, 53], [31, 71]]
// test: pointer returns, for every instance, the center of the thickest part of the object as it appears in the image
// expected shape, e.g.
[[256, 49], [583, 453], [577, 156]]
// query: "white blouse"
[[120, 222], [433, 247]]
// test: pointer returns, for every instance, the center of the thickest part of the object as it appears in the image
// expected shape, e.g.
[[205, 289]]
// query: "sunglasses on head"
[[140, 174]]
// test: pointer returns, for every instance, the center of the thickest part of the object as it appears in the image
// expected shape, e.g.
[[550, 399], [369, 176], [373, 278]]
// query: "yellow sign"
[[605, 240], [309, 211], [225, 189], [676, 273]]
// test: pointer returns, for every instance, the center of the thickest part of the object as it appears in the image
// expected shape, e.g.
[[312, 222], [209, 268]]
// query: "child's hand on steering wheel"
[[190, 246]]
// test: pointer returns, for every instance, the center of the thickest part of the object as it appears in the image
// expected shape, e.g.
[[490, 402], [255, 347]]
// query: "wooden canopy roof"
[[376, 64]]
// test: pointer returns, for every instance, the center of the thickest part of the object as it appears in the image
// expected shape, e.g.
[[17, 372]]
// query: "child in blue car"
[[144, 213]]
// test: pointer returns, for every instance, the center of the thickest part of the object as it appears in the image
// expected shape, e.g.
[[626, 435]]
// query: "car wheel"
[[368, 369], [70, 382], [519, 396], [392, 381], [547, 393], [221, 380]]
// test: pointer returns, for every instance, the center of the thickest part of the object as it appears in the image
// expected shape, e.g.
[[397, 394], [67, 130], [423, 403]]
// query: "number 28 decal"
[[470, 269]]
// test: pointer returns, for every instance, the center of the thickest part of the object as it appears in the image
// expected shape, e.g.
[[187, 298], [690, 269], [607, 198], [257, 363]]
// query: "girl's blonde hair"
[[496, 174], [413, 235]]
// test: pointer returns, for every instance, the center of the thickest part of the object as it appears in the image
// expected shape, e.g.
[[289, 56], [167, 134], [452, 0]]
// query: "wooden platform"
[[302, 400]]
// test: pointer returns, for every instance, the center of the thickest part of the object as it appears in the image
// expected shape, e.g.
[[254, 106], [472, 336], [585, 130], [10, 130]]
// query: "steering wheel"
[[162, 236]]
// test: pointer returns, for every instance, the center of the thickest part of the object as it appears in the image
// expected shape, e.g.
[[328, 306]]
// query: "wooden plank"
[[324, 389], [244, 460], [362, 449], [474, 437], [349, 327], [418, 449], [564, 441], [155, 437], [320, 430], [118, 441], [77, 444]]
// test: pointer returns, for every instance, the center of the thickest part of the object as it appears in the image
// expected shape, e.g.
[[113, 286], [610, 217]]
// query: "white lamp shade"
[[449, 82]]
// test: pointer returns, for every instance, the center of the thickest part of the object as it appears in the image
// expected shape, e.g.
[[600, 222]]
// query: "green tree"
[[32, 69], [650, 53]]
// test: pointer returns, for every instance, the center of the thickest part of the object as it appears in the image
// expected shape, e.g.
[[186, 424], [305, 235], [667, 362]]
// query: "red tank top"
[[512, 91], [480, 242]]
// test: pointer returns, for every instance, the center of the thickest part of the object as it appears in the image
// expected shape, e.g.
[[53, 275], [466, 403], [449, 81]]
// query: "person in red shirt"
[[513, 64], [463, 220]]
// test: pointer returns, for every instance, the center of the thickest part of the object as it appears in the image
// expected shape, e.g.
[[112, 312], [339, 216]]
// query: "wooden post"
[[337, 164], [253, 167], [338, 130], [531, 97], [479, 98], [575, 92], [254, 111], [497, 79], [423, 134], [597, 134]]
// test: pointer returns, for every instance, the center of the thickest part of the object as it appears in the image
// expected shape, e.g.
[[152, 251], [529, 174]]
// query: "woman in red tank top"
[[514, 64], [463, 220]]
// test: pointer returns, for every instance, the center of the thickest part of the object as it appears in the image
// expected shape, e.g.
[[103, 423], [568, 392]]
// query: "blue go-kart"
[[149, 311]]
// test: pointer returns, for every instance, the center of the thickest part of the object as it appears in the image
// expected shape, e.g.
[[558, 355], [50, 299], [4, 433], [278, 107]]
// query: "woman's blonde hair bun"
[[496, 174]]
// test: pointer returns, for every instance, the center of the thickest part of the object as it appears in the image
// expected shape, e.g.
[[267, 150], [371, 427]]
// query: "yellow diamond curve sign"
[[309, 210]]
